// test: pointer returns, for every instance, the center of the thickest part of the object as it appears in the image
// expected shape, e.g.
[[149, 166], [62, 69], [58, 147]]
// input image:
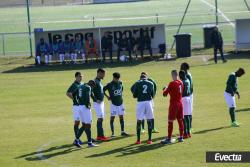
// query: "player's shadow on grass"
[[49, 153], [132, 149], [59, 67], [243, 110], [210, 130]]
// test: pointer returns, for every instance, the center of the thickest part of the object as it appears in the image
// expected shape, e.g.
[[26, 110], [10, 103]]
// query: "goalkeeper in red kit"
[[174, 89]]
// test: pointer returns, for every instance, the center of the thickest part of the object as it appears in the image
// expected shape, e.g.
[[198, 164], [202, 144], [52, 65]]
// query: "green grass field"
[[14, 19], [36, 119]]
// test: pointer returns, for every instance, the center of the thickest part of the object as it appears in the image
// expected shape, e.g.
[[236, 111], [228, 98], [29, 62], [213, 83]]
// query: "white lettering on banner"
[[232, 157]]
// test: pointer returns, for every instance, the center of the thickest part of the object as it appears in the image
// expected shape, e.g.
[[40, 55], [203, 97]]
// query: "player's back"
[[144, 90], [175, 90]]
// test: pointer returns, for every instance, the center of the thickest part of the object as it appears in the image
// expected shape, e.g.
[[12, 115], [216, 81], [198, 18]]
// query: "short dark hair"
[[182, 74], [92, 83], [77, 73], [185, 66], [143, 76], [100, 70], [241, 70], [116, 75]]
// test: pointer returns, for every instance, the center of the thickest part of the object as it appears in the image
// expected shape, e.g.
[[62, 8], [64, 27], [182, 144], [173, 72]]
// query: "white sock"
[[38, 58], [50, 58], [83, 58], [46, 59]]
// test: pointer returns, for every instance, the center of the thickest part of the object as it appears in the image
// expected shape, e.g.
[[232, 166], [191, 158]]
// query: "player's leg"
[[76, 117], [143, 126], [149, 116], [139, 116], [222, 54], [99, 108], [171, 118], [230, 100], [185, 127], [112, 119], [180, 117], [121, 112]]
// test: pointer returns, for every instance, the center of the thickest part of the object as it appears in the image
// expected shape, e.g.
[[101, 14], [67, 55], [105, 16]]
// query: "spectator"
[[42, 49], [55, 48], [79, 48], [122, 45], [61, 51], [91, 47], [107, 45], [131, 43], [217, 42], [144, 42], [73, 54], [67, 48]]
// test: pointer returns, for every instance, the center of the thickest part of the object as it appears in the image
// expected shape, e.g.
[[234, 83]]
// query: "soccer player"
[[231, 90], [72, 93], [98, 98], [185, 67], [143, 90], [84, 94], [115, 89], [186, 101], [174, 89], [42, 49], [154, 130]]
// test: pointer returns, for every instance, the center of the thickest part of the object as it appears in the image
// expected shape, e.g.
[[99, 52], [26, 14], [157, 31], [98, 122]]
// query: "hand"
[[98, 101], [238, 95], [109, 98]]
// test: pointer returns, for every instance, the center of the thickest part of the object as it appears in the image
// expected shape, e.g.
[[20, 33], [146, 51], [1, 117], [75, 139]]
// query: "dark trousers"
[[142, 48], [221, 53], [109, 50], [123, 49]]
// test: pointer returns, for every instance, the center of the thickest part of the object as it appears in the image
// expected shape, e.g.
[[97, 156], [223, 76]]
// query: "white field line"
[[220, 12]]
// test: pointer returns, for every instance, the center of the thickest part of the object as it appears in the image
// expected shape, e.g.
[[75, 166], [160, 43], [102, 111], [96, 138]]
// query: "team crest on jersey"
[[118, 92]]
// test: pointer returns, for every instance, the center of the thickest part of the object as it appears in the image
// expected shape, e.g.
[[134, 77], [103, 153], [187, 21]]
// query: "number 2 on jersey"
[[145, 87]]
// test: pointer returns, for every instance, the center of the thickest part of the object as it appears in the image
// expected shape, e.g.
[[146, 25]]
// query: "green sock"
[[122, 124], [138, 130], [76, 130], [149, 129], [188, 124], [88, 134], [142, 124], [232, 113], [80, 131], [112, 125]]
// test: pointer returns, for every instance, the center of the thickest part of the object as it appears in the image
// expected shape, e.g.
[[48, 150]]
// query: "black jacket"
[[216, 39], [107, 42]]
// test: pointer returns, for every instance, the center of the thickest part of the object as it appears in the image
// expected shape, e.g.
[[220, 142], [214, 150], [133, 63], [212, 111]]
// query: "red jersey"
[[174, 89]]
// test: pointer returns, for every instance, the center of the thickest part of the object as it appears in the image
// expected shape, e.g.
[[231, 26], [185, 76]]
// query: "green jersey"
[[189, 77], [143, 90], [84, 93], [187, 87], [115, 90], [98, 93], [154, 83], [74, 90], [232, 84]]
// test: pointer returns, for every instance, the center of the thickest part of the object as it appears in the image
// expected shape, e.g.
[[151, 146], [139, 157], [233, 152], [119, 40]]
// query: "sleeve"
[[71, 89], [133, 90], [92, 95], [166, 90], [153, 90]]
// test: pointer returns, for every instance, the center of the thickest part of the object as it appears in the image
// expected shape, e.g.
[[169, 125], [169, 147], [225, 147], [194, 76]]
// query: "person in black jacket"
[[131, 44], [217, 42], [144, 42], [122, 45], [107, 45]]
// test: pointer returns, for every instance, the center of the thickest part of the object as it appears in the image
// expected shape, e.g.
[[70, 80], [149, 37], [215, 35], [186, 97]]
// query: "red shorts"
[[175, 112]]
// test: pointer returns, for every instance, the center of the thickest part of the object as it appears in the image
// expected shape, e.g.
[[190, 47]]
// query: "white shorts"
[[187, 105], [76, 113], [99, 109], [230, 100], [116, 110], [85, 114], [153, 104], [144, 109], [192, 102]]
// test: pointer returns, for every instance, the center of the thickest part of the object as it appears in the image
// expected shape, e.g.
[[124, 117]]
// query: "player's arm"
[[166, 90], [133, 90], [105, 88], [70, 91]]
